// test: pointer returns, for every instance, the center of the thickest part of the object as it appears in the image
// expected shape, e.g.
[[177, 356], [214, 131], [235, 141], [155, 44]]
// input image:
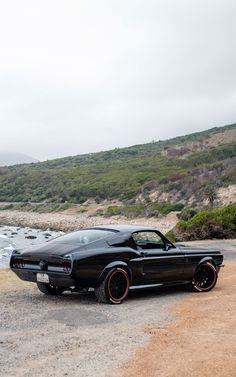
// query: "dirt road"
[[201, 342]]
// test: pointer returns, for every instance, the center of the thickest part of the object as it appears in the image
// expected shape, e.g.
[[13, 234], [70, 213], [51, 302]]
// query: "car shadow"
[[138, 295], [150, 293]]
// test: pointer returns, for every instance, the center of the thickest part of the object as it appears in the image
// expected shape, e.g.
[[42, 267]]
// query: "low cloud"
[[83, 76]]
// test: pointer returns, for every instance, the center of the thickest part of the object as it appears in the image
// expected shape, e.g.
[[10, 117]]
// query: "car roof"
[[124, 227]]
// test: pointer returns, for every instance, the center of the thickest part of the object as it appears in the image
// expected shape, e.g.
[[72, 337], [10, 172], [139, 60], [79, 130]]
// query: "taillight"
[[66, 266], [19, 263]]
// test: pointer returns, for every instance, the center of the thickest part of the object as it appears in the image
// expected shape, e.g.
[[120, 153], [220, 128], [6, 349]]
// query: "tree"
[[211, 194]]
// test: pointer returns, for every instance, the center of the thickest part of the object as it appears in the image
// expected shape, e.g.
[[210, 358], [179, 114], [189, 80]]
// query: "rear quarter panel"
[[90, 264]]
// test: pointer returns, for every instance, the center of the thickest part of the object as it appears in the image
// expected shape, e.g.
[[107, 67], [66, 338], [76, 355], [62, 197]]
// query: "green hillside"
[[182, 168]]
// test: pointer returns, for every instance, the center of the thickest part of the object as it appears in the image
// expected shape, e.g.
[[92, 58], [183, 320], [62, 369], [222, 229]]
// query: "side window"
[[148, 240]]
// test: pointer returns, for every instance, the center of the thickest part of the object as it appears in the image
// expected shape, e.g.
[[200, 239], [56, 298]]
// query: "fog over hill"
[[14, 158]]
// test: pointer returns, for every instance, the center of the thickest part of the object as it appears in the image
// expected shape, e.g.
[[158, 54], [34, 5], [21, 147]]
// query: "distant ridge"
[[181, 170], [13, 158]]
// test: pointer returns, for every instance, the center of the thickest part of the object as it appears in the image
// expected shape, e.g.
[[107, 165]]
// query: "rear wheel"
[[205, 277], [49, 289], [114, 288]]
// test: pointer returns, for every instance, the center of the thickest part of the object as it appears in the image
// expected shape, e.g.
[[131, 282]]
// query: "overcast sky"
[[81, 76]]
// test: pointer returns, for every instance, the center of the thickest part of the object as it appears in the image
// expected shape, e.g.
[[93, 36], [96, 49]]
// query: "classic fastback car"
[[114, 259]]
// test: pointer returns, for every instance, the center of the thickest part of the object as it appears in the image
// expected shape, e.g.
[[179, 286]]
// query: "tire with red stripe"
[[205, 277], [114, 288]]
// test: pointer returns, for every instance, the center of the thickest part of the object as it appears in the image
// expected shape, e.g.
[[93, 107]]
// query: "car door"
[[161, 262]]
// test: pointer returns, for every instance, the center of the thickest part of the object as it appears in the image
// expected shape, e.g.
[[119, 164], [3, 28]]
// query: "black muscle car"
[[114, 259]]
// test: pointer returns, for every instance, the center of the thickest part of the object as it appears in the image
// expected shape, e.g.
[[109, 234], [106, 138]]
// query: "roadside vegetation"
[[208, 224], [37, 207], [141, 210]]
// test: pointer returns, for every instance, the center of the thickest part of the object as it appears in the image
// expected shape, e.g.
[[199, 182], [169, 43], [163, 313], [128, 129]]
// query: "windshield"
[[84, 236]]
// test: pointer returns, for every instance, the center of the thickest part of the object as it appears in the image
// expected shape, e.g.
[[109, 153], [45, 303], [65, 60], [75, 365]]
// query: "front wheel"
[[205, 277], [51, 290], [114, 288]]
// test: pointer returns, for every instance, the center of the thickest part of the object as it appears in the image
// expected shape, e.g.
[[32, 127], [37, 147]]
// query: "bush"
[[143, 210], [187, 213], [170, 236], [7, 206], [208, 224], [113, 211]]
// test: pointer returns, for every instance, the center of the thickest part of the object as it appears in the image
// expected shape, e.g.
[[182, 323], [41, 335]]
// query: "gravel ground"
[[72, 334]]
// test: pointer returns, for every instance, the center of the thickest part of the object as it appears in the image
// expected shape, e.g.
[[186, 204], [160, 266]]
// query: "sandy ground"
[[68, 222], [9, 282], [202, 340]]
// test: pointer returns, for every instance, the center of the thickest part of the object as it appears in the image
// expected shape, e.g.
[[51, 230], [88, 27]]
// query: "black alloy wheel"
[[205, 277], [115, 287], [51, 290]]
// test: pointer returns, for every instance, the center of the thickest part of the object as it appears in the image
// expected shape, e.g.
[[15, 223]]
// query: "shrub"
[[170, 236], [143, 210], [208, 224], [7, 206], [187, 213]]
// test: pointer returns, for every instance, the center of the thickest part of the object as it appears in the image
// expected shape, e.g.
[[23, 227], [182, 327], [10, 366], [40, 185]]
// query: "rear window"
[[84, 237]]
